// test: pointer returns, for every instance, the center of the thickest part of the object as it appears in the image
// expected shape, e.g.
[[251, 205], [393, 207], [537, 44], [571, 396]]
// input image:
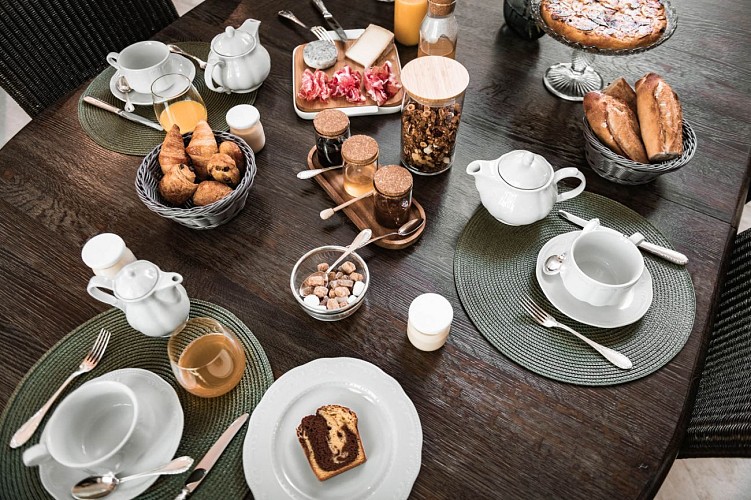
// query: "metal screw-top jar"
[[332, 129], [393, 195], [431, 111], [360, 156]]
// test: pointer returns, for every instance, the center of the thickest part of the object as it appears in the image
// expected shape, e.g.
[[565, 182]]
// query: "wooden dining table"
[[491, 428]]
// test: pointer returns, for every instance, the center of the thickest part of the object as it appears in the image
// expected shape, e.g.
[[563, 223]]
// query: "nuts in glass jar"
[[429, 135]]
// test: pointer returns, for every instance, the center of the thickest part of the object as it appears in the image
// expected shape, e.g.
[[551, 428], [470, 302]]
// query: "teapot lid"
[[233, 42], [136, 280], [524, 170]]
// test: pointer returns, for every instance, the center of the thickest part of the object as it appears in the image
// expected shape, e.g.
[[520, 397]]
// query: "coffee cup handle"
[[112, 59], [35, 455], [566, 173]]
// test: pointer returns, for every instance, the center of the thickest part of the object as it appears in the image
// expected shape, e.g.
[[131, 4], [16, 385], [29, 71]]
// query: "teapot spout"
[[251, 26], [480, 167]]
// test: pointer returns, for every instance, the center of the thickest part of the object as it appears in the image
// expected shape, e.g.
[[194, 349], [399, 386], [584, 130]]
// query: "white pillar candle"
[[430, 317]]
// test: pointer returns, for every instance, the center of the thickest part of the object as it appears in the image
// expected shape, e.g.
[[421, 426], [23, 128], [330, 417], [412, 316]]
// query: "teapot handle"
[[209, 72], [565, 173], [97, 282]]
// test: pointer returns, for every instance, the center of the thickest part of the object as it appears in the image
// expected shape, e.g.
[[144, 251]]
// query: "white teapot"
[[237, 61], [154, 301], [521, 187]]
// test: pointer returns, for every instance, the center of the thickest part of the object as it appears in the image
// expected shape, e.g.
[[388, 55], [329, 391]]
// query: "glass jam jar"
[[393, 195], [431, 111], [360, 157], [332, 129]]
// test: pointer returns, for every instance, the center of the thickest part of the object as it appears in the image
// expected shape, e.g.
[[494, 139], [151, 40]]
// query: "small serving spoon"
[[360, 240], [405, 229], [553, 264], [101, 486], [124, 87], [307, 174], [326, 214], [177, 50]]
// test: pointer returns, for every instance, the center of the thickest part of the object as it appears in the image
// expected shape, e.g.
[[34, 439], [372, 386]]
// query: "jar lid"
[[233, 42], [440, 8], [431, 313], [433, 79], [136, 280], [360, 149], [103, 251], [392, 180], [524, 170], [331, 122], [242, 116]]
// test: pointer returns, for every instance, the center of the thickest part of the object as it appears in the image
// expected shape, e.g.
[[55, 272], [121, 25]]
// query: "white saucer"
[[159, 396], [601, 316], [178, 64]]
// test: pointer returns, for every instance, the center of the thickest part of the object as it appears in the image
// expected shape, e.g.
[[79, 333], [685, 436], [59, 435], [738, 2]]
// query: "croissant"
[[232, 149], [201, 148], [222, 168], [173, 150], [178, 185], [209, 192]]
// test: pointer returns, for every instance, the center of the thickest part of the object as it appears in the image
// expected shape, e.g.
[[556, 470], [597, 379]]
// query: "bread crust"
[[616, 125], [620, 89], [661, 118]]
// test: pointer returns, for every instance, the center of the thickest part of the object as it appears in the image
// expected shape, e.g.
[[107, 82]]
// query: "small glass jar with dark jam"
[[332, 129], [392, 195]]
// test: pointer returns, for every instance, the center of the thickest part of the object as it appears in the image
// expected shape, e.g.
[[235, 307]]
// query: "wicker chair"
[[49, 47], [720, 424]]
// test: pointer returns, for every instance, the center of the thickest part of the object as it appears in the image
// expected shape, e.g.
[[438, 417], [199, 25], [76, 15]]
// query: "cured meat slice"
[[380, 83], [346, 83], [314, 86]]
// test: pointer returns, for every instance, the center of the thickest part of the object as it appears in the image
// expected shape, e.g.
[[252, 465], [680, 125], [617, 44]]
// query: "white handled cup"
[[602, 266], [141, 63]]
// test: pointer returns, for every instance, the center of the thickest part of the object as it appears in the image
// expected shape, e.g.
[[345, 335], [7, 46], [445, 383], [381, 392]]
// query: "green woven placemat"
[[205, 419], [118, 134], [494, 265]]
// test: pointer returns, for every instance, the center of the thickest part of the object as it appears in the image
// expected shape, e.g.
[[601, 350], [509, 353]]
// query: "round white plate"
[[275, 463], [178, 64], [152, 392], [635, 307]]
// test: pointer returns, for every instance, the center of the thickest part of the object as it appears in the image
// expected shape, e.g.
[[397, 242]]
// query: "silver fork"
[[24, 433], [545, 319], [318, 31]]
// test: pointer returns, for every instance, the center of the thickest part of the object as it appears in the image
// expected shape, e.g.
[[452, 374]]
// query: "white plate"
[[275, 464], [152, 392], [178, 64], [350, 110], [635, 307]]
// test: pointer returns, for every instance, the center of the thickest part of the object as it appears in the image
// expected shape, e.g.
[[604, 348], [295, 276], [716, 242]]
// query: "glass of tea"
[[177, 102], [206, 357]]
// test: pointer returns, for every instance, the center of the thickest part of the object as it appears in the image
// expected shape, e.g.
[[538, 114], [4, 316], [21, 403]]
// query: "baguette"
[[620, 89], [661, 118], [615, 125]]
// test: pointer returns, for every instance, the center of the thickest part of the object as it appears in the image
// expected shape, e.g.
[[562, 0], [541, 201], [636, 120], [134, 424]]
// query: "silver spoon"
[[307, 174], [124, 87], [553, 264], [101, 486], [177, 50], [405, 229], [360, 240]]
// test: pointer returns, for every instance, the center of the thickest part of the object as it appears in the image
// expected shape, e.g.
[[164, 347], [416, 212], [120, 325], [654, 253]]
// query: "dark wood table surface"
[[491, 428]]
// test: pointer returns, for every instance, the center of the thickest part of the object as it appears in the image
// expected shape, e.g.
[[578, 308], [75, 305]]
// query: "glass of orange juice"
[[206, 357], [177, 102]]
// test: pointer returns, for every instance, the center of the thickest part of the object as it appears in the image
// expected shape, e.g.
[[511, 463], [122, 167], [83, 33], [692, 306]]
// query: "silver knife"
[[330, 20], [209, 459], [666, 253], [125, 114]]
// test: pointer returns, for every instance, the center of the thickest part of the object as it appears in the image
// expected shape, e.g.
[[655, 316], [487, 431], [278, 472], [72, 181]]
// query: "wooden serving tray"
[[299, 66], [361, 213]]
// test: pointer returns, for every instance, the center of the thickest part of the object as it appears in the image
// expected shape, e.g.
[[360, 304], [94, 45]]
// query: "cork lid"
[[360, 149], [331, 122], [440, 8], [434, 79], [392, 180]]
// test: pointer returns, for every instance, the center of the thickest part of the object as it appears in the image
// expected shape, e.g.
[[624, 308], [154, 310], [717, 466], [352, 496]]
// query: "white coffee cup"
[[99, 428], [602, 266], [141, 63]]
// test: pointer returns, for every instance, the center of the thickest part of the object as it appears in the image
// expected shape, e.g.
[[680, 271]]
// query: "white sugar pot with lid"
[[237, 61], [521, 187], [154, 301]]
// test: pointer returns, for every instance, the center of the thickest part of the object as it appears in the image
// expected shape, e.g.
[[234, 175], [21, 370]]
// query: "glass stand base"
[[563, 81]]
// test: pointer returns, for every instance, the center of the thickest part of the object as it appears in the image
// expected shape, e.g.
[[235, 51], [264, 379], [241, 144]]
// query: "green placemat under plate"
[[494, 265], [123, 136], [205, 419]]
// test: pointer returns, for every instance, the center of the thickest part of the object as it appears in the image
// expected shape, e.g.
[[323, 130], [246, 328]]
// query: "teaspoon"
[[360, 240], [124, 87], [177, 50], [101, 486], [307, 174], [553, 264], [406, 229]]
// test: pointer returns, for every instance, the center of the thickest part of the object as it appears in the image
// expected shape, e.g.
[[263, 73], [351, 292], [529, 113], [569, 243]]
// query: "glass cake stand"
[[571, 81]]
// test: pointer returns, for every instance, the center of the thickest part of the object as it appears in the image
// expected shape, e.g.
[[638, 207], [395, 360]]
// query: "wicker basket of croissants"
[[200, 180], [634, 136]]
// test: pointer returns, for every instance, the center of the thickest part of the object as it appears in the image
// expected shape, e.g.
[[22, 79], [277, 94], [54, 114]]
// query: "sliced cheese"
[[369, 47]]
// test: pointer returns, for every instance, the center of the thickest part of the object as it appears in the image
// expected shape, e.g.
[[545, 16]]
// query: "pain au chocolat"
[[331, 441], [606, 24]]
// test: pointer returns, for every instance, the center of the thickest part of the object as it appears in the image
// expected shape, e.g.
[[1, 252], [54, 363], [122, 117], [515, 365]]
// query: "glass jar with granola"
[[431, 111]]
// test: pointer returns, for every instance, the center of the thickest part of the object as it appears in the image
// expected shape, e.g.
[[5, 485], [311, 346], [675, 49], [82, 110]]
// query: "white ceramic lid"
[[136, 280], [524, 170], [431, 313], [103, 251], [242, 116], [233, 42]]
